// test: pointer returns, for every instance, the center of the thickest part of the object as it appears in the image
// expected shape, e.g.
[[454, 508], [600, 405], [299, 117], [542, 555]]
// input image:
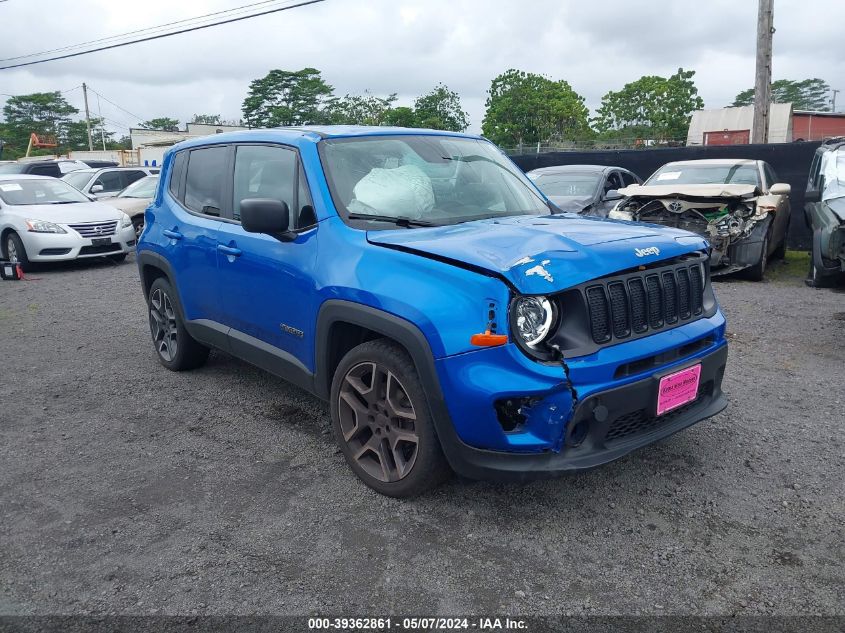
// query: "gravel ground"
[[129, 489]]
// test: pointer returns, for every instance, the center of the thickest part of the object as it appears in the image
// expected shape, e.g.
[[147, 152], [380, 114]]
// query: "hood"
[[538, 255], [130, 206], [572, 204], [690, 191], [68, 213]]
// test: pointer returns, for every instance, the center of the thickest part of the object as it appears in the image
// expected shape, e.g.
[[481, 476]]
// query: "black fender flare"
[[405, 334]]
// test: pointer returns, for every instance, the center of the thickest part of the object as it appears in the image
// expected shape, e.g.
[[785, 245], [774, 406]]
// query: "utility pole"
[[763, 78], [833, 100], [87, 117]]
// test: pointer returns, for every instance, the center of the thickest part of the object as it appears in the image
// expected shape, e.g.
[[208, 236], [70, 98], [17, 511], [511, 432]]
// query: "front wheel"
[[758, 270], [175, 348], [382, 422], [14, 251]]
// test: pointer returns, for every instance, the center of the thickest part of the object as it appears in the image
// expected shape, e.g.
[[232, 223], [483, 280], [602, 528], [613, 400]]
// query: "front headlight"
[[533, 321], [616, 214], [42, 226], [125, 221]]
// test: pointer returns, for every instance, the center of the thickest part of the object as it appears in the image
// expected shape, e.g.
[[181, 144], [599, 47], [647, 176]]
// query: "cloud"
[[408, 46]]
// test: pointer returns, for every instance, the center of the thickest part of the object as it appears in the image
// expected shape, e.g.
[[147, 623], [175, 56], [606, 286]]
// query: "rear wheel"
[[14, 251], [382, 423], [175, 348]]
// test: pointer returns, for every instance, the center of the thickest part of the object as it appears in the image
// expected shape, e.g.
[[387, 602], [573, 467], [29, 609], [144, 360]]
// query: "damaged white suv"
[[737, 204]]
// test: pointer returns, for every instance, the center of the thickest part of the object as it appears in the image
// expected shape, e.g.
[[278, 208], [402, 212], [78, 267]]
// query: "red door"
[[727, 137]]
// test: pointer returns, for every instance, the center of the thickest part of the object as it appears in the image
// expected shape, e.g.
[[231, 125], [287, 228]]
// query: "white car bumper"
[[51, 247]]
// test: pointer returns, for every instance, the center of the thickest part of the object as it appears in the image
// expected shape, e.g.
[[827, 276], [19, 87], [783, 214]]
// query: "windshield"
[[704, 174], [429, 179], [572, 184], [28, 191], [144, 188], [78, 178], [833, 169]]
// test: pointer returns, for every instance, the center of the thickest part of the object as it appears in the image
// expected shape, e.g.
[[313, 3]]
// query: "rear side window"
[[176, 173], [264, 171], [132, 176], [204, 182]]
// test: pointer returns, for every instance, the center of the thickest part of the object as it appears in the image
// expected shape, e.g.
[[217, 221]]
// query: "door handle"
[[229, 251], [173, 235]]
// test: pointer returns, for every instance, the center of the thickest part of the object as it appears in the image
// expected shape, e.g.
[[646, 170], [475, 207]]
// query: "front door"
[[266, 288]]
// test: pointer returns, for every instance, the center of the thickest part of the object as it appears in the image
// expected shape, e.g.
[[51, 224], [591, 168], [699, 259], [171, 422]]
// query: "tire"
[[758, 270], [385, 430], [175, 348], [13, 250], [119, 258], [819, 278], [780, 251], [138, 225]]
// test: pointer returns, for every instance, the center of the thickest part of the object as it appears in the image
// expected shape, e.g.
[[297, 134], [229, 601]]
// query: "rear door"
[[266, 286]]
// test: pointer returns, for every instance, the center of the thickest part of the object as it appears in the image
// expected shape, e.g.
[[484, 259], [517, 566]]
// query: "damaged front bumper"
[[553, 425]]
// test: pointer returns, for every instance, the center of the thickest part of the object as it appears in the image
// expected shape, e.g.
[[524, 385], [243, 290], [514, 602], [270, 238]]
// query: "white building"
[[152, 144], [732, 126]]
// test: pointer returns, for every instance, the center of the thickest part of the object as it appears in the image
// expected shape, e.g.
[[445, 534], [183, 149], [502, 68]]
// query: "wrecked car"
[[584, 189], [824, 210], [421, 284], [738, 205]]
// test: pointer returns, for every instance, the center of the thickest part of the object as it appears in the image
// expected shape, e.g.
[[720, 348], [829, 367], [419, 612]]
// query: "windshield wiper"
[[398, 221], [66, 202]]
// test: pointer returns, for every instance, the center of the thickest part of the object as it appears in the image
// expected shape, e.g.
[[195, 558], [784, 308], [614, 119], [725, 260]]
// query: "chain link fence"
[[594, 144]]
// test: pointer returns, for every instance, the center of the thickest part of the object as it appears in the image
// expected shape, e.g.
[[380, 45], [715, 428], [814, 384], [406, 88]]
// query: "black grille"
[[598, 307], [641, 421], [96, 250], [652, 299]]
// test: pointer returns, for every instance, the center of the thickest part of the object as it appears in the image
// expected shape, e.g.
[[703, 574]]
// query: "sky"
[[409, 46]]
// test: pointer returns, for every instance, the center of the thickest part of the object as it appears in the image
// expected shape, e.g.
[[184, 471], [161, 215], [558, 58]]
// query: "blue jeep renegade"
[[453, 318]]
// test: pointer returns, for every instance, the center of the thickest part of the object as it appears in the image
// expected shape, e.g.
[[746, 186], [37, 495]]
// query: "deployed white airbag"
[[399, 192]]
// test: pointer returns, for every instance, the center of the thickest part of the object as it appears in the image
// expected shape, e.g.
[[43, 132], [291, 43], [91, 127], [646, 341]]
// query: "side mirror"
[[611, 195], [780, 189], [96, 188], [264, 215]]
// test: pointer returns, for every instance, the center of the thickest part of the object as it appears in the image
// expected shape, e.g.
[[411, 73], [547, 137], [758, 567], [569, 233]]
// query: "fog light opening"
[[577, 433]]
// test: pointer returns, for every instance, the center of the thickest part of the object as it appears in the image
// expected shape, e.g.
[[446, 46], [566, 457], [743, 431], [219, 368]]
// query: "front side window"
[[204, 181], [706, 174], [78, 178], [264, 171], [426, 178], [110, 181], [39, 191], [628, 179]]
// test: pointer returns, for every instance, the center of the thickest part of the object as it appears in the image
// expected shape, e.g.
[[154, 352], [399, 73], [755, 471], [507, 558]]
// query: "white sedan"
[[44, 219]]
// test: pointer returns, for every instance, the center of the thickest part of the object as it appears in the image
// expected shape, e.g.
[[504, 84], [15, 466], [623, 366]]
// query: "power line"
[[163, 35], [134, 116], [149, 28]]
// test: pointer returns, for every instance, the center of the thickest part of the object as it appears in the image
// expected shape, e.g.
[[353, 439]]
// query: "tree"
[[809, 94], [207, 119], [440, 109], [45, 113], [650, 107], [76, 135], [285, 97], [402, 116], [527, 108], [363, 109], [161, 123]]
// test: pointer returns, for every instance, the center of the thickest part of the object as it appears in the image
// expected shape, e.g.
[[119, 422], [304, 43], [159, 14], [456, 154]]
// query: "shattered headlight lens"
[[534, 317], [616, 214], [42, 226]]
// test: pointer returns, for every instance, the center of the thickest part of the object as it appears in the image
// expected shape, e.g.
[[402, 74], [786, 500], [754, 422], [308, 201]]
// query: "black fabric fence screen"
[[791, 162]]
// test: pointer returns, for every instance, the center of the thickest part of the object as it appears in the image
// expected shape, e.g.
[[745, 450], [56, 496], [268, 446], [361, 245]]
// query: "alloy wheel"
[[378, 422], [11, 249], [163, 325]]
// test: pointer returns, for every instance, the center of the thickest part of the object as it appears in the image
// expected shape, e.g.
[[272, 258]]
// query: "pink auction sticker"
[[677, 389]]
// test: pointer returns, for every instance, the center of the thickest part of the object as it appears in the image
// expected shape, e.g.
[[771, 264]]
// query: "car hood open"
[[694, 191], [542, 254]]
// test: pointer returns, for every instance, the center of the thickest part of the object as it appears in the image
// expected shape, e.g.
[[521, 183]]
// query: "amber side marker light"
[[488, 340]]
